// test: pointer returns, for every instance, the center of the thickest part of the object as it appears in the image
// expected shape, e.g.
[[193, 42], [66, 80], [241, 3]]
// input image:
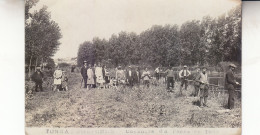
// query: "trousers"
[[231, 96], [38, 85]]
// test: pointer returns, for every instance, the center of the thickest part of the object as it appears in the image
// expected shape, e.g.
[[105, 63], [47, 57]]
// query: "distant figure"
[[230, 84], [107, 76], [73, 68], [37, 77], [95, 78], [91, 75], [64, 81], [57, 78], [196, 82], [146, 77], [84, 73], [139, 75], [131, 76], [170, 78], [99, 76], [183, 74], [204, 87], [157, 73], [120, 76]]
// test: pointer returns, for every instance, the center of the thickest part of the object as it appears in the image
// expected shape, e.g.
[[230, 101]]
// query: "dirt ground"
[[138, 107]]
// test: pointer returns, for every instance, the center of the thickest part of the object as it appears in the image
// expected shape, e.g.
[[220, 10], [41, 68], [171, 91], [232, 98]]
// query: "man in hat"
[[130, 76], [120, 75], [170, 78], [230, 85], [204, 88], [146, 77], [84, 73], [183, 74], [138, 75], [37, 77], [157, 72], [196, 82]]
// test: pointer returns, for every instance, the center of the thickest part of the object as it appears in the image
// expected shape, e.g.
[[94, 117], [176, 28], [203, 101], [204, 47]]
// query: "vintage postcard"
[[157, 67]]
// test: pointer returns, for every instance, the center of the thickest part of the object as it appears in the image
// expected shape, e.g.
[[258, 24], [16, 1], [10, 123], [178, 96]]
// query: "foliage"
[[196, 42], [41, 35], [63, 65]]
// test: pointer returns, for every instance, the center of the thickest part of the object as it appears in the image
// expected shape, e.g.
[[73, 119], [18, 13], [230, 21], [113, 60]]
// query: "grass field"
[[137, 107]]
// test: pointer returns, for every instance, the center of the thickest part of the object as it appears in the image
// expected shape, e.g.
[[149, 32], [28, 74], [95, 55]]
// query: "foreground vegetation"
[[137, 107]]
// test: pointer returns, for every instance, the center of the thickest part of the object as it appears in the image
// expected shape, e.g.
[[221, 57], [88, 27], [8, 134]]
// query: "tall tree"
[[41, 35]]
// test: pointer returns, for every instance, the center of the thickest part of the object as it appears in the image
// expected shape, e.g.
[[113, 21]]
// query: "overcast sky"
[[81, 20]]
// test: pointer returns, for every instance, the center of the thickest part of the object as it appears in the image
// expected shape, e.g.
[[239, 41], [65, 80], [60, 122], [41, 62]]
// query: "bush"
[[64, 65]]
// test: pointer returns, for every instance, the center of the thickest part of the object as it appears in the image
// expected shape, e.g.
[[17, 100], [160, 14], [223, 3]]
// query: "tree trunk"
[[42, 64], [35, 64], [30, 65]]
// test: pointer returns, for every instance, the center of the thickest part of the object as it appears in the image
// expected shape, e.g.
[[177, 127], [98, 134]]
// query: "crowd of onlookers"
[[97, 76]]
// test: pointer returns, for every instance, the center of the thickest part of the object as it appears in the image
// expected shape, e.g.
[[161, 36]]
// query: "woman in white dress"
[[99, 74], [57, 75], [90, 74]]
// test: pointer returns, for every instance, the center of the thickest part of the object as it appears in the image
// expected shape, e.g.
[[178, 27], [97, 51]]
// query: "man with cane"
[[230, 84], [84, 74], [204, 87]]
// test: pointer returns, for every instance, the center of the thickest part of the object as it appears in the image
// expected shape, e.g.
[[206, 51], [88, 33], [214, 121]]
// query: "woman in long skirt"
[[90, 74], [57, 79], [99, 74]]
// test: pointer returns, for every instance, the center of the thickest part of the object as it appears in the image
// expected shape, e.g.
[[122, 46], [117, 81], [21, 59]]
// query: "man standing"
[[183, 74], [204, 88], [84, 73], [146, 77], [130, 77], [157, 73], [196, 82], [230, 84], [120, 75], [138, 75], [37, 77], [170, 78]]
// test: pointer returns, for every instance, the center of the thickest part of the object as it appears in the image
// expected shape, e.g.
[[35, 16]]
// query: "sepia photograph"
[[133, 64]]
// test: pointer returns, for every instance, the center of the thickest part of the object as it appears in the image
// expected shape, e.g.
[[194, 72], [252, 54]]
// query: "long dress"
[[99, 75], [57, 77], [90, 76]]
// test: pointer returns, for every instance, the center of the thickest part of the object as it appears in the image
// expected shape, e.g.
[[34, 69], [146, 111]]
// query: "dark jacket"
[[37, 77], [84, 72], [133, 76], [196, 78], [230, 79]]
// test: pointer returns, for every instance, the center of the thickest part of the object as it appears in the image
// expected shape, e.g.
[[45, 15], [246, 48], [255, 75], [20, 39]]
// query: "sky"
[[82, 20]]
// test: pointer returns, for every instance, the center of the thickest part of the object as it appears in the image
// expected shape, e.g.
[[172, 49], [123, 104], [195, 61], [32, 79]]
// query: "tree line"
[[41, 36], [196, 42]]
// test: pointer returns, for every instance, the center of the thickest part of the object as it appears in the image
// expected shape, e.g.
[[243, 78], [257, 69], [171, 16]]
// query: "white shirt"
[[185, 73], [130, 73], [157, 70]]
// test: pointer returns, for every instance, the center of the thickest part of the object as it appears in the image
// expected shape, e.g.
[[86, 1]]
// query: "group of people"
[[93, 76], [60, 79], [201, 86], [132, 76], [99, 76]]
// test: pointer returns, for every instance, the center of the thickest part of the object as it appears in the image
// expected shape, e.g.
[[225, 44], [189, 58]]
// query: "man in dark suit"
[[37, 77], [230, 85], [131, 76], [84, 73]]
